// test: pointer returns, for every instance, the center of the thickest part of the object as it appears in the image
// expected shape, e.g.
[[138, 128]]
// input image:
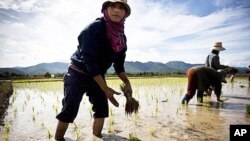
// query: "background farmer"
[[101, 44], [200, 78], [213, 59]]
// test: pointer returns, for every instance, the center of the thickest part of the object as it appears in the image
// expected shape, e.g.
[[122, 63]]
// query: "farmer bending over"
[[201, 78]]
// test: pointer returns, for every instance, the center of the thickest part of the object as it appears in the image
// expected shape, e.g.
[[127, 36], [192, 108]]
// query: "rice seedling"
[[135, 118], [111, 111], [181, 91], [25, 103], [33, 117], [111, 121], [6, 132], [42, 99], [152, 130], [91, 112], [13, 98], [42, 124], [75, 126], [132, 137], [55, 107], [147, 99], [156, 107], [57, 99], [15, 112], [77, 130], [49, 133], [28, 97], [110, 124], [23, 108], [152, 96]]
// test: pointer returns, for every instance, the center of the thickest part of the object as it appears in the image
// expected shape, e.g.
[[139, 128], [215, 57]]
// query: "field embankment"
[[6, 91]]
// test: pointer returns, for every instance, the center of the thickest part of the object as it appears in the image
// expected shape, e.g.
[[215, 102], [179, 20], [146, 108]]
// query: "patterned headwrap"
[[115, 32]]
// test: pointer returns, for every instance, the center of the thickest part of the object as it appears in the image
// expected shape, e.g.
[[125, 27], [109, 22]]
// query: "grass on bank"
[[4, 87]]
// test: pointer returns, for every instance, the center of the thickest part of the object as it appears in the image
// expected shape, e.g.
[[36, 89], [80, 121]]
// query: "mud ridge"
[[6, 91]]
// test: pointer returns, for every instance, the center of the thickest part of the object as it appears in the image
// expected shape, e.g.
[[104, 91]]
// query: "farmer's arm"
[[120, 70], [217, 91], [125, 80], [216, 63]]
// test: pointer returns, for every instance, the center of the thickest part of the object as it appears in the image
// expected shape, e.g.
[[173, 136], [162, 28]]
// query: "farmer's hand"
[[110, 95], [108, 91]]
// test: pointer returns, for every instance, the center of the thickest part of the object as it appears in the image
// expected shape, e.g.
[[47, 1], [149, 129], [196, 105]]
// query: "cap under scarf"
[[115, 32]]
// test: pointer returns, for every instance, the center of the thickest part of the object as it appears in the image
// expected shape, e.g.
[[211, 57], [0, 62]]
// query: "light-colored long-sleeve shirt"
[[213, 61]]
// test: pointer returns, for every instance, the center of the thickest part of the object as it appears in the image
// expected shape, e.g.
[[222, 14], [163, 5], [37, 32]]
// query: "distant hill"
[[39, 69], [130, 66]]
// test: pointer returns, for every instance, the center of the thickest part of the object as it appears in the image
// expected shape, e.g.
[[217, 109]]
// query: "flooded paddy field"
[[34, 106]]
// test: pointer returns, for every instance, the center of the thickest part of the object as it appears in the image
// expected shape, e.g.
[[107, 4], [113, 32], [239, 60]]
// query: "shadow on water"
[[105, 137], [238, 97], [113, 137], [224, 105], [68, 139]]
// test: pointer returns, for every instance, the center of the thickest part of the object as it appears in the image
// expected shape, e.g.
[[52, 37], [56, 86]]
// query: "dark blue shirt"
[[94, 53]]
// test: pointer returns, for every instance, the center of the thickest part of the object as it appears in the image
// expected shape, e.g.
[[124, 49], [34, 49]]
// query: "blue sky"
[[38, 31]]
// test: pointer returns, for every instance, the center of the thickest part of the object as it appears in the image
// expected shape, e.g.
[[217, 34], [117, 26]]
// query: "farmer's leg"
[[200, 96], [192, 85], [60, 130], [98, 126], [75, 85], [71, 101], [100, 109]]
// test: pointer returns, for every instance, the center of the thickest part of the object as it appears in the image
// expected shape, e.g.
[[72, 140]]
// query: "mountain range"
[[130, 66]]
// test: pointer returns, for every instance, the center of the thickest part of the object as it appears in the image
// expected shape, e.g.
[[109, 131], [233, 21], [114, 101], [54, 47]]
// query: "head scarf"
[[115, 32]]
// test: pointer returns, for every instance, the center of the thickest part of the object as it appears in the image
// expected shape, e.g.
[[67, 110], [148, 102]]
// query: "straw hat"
[[124, 2], [223, 74], [218, 46]]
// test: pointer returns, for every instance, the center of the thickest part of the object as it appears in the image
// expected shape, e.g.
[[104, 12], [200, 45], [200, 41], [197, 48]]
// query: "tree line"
[[8, 75]]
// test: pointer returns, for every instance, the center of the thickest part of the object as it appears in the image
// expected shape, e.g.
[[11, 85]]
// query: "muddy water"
[[33, 107]]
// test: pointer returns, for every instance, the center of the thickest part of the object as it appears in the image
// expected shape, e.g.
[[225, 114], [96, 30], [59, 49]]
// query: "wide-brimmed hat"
[[223, 75], [124, 2], [218, 46]]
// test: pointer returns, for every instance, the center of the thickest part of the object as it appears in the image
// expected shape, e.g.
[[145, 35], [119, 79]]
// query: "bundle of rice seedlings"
[[132, 105]]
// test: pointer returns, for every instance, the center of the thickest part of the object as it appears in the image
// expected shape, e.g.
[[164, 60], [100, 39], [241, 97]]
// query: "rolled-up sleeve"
[[119, 63]]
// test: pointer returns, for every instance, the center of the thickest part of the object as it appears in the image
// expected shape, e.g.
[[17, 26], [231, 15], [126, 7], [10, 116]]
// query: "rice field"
[[34, 106]]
